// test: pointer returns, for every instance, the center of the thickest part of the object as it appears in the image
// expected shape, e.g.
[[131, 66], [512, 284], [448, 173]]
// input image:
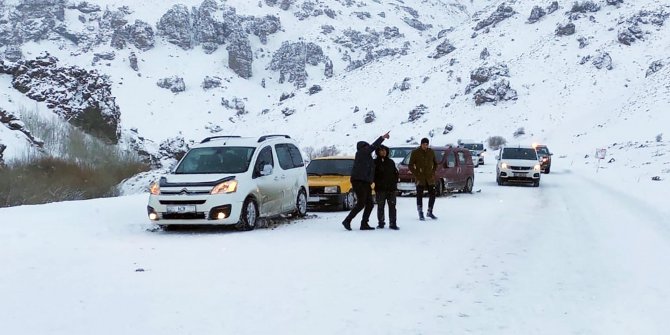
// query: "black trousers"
[[384, 197], [431, 195], [363, 192]]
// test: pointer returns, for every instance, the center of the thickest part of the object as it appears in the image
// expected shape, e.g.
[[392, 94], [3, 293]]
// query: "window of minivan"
[[264, 158], [451, 159], [289, 156], [519, 153], [216, 160]]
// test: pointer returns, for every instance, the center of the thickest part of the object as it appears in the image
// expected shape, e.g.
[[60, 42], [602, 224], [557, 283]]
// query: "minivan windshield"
[[336, 167], [438, 156], [473, 146], [216, 160], [519, 153], [542, 150]]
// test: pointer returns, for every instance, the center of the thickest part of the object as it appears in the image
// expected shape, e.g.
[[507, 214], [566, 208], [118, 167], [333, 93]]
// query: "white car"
[[476, 149], [518, 164], [397, 154], [227, 180]]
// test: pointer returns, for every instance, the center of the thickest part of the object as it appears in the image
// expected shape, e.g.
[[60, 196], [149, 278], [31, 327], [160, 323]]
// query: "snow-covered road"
[[578, 255]]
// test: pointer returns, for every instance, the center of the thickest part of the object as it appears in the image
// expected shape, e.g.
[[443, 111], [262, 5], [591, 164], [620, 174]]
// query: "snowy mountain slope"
[[555, 99]]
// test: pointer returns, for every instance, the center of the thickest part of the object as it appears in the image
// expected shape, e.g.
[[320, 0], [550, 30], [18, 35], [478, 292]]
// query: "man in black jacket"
[[386, 185], [362, 176]]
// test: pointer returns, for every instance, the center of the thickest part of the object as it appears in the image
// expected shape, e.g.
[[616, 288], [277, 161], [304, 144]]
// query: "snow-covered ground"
[[585, 253]]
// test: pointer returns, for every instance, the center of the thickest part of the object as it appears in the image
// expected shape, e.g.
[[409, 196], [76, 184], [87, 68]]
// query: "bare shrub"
[[71, 166], [322, 152], [495, 142]]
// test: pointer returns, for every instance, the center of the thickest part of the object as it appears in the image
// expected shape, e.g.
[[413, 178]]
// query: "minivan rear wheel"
[[468, 186]]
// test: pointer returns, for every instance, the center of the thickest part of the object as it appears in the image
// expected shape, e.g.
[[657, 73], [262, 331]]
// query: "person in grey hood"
[[362, 176]]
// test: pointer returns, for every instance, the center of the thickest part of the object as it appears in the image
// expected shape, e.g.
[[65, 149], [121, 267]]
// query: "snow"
[[585, 253], [581, 254]]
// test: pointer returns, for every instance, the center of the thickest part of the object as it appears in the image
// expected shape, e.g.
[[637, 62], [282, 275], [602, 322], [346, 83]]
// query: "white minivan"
[[232, 180]]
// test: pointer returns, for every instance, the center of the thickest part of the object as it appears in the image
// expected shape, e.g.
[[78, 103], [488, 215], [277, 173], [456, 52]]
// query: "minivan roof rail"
[[265, 137], [215, 137]]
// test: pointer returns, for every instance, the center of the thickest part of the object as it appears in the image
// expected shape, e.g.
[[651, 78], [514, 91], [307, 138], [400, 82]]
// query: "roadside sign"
[[600, 155]]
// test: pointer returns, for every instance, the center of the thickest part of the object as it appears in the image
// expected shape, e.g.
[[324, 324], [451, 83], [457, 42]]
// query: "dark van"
[[455, 172]]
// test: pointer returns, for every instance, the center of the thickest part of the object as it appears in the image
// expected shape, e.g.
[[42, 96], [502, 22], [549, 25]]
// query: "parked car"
[[476, 149], [227, 180], [329, 182], [544, 157], [518, 164], [455, 171], [397, 154]]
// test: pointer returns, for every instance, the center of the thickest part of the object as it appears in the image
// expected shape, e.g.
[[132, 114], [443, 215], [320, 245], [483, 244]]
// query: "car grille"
[[183, 216], [182, 202], [316, 189], [181, 192], [521, 168]]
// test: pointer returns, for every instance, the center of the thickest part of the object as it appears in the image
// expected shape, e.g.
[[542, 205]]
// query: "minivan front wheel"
[[249, 215], [300, 204]]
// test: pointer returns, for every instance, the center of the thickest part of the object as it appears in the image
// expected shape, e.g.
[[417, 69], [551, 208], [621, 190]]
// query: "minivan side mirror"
[[267, 170], [497, 157]]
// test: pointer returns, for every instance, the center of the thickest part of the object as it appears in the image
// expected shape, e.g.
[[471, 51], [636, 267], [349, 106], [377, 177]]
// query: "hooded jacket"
[[386, 173], [364, 165]]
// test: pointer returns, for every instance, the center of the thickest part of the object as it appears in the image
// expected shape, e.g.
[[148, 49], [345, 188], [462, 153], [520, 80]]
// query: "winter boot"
[[365, 226], [394, 226], [420, 209], [346, 224], [430, 214], [380, 225]]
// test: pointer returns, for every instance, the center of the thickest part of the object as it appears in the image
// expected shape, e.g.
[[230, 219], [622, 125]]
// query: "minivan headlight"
[[536, 167], [155, 188], [503, 166], [331, 189], [229, 186]]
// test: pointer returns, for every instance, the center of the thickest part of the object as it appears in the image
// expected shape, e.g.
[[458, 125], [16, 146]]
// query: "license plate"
[[519, 174], [314, 199], [181, 209]]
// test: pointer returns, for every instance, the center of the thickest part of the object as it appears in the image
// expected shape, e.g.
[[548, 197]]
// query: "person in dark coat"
[[362, 176], [422, 164], [386, 185]]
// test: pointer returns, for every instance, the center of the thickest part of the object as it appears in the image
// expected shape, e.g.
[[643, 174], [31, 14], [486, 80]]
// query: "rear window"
[[333, 167], [519, 153]]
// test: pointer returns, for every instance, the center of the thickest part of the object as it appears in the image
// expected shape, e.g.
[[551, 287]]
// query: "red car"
[[455, 171]]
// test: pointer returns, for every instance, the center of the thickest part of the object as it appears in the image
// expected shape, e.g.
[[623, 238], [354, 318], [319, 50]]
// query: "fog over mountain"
[[158, 75]]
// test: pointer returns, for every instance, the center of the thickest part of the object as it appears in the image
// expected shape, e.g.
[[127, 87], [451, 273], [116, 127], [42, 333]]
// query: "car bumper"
[[406, 187], [326, 199], [180, 210], [528, 176]]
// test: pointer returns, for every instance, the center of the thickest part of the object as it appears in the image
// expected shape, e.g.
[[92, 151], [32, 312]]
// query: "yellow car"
[[329, 182]]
